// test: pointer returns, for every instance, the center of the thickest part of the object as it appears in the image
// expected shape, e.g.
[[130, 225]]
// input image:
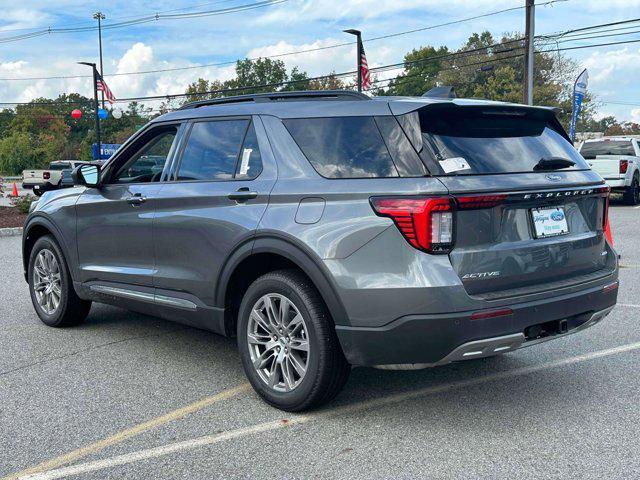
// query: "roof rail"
[[280, 97]]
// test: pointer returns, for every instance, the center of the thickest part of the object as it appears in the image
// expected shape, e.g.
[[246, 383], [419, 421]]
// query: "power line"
[[280, 55], [382, 68], [84, 23], [146, 19]]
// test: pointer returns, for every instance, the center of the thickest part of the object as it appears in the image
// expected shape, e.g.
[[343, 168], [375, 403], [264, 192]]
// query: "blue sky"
[[289, 26]]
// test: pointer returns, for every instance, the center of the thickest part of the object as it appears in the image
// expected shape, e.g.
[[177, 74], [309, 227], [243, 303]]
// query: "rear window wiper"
[[553, 163]]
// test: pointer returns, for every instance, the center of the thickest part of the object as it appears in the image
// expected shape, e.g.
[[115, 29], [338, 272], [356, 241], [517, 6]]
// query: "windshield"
[[467, 141], [607, 147]]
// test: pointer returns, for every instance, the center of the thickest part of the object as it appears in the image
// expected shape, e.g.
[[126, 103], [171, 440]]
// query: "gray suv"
[[327, 230]]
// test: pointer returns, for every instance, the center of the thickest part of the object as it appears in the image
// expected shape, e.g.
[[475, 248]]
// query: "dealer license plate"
[[549, 222]]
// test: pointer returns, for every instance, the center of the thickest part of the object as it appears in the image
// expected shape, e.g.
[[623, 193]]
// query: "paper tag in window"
[[244, 163], [454, 164]]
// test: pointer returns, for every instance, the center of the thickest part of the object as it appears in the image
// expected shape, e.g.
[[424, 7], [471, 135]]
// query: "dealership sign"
[[106, 150]]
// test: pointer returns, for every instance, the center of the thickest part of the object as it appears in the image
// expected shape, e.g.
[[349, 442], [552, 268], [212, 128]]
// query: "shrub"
[[23, 203]]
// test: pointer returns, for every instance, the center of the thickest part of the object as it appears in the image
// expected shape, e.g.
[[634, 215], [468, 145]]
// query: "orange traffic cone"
[[15, 190]]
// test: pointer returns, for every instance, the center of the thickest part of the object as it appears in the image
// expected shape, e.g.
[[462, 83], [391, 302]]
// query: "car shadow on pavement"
[[199, 350]]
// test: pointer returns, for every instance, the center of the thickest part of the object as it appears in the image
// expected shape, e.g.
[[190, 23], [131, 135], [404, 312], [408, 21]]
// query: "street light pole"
[[100, 16], [529, 52], [96, 104], [358, 35]]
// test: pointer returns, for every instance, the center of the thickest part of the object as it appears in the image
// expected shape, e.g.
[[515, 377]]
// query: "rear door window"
[[212, 150], [343, 147], [591, 150], [221, 150]]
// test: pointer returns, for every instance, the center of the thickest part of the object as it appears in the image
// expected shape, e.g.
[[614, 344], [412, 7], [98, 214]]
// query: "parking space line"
[[208, 440], [627, 305], [129, 433]]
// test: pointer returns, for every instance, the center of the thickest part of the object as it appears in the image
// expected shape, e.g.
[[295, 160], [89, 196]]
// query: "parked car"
[[327, 230], [41, 181], [66, 179], [617, 159]]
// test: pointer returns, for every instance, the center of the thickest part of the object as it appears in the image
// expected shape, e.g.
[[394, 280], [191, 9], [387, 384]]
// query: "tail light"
[[624, 165], [425, 222], [46, 175], [605, 217]]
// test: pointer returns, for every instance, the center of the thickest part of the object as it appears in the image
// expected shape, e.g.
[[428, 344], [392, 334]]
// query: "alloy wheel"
[[278, 342], [47, 281]]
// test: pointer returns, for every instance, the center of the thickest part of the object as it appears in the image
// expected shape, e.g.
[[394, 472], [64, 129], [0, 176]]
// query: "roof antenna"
[[441, 92]]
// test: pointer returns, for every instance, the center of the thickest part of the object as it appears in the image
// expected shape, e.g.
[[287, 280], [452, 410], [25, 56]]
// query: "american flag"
[[102, 86], [364, 70]]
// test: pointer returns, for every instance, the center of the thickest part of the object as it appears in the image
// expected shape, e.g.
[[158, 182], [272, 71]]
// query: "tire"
[[327, 369], [47, 265], [632, 193]]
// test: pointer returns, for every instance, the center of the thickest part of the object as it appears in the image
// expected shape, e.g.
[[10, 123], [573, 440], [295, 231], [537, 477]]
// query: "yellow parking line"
[[128, 433], [294, 420]]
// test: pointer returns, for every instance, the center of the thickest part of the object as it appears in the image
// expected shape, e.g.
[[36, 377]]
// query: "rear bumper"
[[419, 341]]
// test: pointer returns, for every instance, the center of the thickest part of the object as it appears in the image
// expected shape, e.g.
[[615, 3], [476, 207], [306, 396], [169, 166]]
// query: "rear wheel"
[[632, 192], [287, 342], [51, 288]]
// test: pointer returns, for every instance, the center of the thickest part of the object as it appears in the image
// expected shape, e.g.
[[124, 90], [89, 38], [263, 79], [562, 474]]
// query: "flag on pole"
[[102, 86], [579, 89], [364, 69]]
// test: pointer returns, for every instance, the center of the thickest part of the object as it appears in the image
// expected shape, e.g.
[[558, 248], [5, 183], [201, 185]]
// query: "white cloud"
[[308, 10], [635, 115], [620, 65], [21, 18]]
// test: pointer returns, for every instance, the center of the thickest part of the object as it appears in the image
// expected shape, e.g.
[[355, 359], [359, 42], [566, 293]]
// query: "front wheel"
[[632, 192], [288, 344], [51, 288]]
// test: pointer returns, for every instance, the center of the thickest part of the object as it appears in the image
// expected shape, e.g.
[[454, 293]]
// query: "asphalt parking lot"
[[130, 396]]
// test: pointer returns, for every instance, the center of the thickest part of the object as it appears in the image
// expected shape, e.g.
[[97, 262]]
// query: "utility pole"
[[528, 52], [97, 105], [100, 16], [358, 35]]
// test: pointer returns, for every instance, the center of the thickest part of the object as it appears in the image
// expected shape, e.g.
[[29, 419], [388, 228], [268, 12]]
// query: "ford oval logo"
[[557, 216], [553, 177]]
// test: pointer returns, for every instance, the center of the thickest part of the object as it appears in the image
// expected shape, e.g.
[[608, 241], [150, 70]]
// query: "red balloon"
[[77, 113]]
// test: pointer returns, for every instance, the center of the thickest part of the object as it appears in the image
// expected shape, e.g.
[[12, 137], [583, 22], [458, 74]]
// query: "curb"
[[10, 232]]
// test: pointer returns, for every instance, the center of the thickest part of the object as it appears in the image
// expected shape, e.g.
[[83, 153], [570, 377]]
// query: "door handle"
[[137, 200], [242, 195]]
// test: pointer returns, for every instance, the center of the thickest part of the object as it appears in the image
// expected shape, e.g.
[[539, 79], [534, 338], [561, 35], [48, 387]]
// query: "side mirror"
[[88, 175]]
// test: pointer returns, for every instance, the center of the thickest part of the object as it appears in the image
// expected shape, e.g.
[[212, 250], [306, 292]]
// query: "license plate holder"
[[549, 222]]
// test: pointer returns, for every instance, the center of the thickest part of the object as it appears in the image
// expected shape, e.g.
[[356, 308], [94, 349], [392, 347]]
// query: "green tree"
[[17, 153], [421, 72]]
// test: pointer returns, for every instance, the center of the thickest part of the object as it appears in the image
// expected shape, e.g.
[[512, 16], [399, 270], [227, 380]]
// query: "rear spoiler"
[[403, 107]]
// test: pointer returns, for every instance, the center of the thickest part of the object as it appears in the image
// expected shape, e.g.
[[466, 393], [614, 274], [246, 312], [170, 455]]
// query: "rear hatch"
[[529, 214]]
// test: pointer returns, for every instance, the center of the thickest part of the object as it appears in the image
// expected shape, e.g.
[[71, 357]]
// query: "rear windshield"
[[356, 147], [59, 166], [471, 141], [607, 147]]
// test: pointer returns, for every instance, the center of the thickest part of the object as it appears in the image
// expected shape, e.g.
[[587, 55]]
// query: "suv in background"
[[327, 230], [617, 159]]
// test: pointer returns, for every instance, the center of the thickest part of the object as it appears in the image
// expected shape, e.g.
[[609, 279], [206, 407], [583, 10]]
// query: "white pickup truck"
[[617, 160], [49, 179]]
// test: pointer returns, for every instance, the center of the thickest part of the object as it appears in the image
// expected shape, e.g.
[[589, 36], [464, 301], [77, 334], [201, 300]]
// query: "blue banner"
[[579, 89], [106, 150]]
